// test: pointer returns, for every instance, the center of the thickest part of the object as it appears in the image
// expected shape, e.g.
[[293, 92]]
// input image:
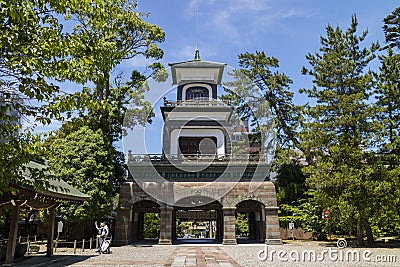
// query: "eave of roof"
[[57, 188], [196, 63]]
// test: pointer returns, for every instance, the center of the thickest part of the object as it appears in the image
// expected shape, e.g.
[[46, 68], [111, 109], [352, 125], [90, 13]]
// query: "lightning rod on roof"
[[197, 53]]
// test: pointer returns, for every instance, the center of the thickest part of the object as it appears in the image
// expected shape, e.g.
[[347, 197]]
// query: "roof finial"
[[197, 53]]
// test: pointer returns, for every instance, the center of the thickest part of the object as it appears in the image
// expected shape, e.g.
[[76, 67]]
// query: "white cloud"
[[248, 5], [223, 22], [283, 13], [185, 53], [138, 62], [238, 21], [197, 5]]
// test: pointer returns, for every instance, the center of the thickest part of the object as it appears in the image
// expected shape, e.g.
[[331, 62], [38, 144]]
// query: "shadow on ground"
[[56, 260]]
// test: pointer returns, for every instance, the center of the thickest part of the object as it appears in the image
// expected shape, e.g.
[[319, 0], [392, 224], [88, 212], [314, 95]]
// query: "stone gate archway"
[[205, 212]]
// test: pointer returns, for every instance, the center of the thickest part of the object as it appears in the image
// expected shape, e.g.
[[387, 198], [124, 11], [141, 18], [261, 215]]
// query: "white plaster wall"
[[197, 74], [217, 133]]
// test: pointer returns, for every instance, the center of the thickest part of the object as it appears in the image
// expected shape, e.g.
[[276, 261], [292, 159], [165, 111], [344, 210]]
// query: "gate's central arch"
[[196, 221]]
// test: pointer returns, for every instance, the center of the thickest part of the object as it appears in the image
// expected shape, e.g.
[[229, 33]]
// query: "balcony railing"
[[197, 102], [194, 158]]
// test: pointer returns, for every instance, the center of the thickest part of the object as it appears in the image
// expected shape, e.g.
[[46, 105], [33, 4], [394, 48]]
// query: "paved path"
[[201, 257]]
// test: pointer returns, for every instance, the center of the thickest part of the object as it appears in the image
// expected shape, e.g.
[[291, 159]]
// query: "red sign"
[[326, 214]]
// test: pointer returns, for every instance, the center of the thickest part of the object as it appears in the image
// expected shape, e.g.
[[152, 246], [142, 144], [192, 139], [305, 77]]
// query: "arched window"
[[197, 93]]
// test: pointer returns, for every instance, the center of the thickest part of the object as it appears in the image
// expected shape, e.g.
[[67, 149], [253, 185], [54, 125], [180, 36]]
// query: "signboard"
[[60, 226], [326, 214], [196, 215], [291, 225]]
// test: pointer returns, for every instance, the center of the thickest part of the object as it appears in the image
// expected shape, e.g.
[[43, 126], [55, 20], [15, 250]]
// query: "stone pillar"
[[219, 227], [134, 230], [50, 231], [139, 230], [273, 235], [165, 225], [210, 229], [174, 226], [12, 236], [123, 226], [229, 237]]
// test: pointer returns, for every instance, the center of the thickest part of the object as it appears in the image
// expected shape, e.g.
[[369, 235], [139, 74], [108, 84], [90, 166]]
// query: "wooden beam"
[[39, 205], [50, 231], [12, 236]]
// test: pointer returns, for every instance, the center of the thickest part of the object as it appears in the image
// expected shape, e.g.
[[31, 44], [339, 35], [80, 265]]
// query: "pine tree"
[[387, 139], [261, 90], [391, 28], [388, 106], [339, 123]]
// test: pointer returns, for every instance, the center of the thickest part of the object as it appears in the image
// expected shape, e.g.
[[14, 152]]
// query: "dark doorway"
[[146, 221], [250, 222]]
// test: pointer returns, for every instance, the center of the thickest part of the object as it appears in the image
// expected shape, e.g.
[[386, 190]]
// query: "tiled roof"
[[58, 188]]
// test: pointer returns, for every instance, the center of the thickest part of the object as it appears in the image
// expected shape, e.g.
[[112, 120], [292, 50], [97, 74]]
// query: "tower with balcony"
[[207, 179], [195, 124]]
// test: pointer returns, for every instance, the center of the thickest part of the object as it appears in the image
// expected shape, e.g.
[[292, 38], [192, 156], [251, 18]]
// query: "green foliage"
[[391, 28], [29, 42], [350, 141], [308, 215], [346, 171], [182, 229], [151, 227], [83, 158], [112, 34], [269, 96], [242, 224], [290, 183], [387, 113], [387, 141], [37, 48], [17, 149]]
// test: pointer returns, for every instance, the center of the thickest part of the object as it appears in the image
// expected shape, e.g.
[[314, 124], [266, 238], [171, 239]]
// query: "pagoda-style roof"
[[56, 189], [197, 70]]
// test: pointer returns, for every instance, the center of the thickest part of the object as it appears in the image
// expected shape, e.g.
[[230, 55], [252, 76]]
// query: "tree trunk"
[[368, 231], [360, 236]]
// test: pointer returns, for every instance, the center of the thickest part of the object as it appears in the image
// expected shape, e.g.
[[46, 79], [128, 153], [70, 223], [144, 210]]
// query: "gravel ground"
[[299, 254], [292, 254], [120, 256]]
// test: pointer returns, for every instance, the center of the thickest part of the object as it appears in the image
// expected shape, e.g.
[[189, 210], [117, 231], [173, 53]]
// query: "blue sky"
[[285, 29]]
